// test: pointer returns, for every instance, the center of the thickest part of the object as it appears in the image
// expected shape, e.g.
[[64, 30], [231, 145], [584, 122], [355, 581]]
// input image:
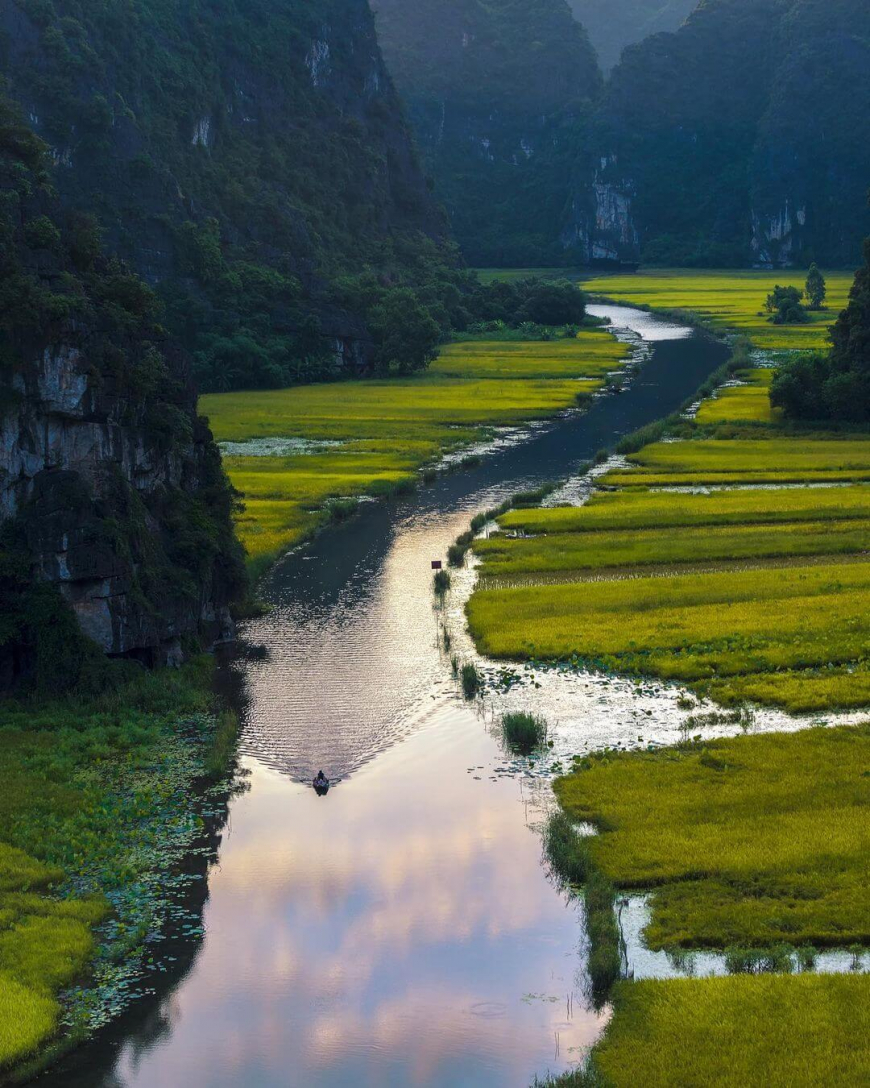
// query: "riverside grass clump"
[[523, 732], [736, 1031], [386, 432], [730, 300], [97, 806]]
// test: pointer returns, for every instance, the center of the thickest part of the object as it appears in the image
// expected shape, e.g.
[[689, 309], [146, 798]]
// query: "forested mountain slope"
[[741, 138], [614, 24], [243, 154], [494, 90], [113, 504]]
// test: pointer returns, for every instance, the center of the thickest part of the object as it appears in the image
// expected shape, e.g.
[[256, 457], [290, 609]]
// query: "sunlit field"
[[748, 403], [748, 841], [730, 299], [738, 1031], [388, 430], [764, 601]]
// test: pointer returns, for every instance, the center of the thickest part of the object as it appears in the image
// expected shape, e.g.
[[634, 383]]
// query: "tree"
[[816, 289], [836, 386], [405, 333], [784, 303], [552, 303]]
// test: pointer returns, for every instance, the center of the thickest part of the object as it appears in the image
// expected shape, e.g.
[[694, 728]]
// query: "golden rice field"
[[765, 600], [742, 1031], [732, 300], [387, 430]]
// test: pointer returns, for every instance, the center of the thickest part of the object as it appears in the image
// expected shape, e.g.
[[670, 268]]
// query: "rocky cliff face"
[[741, 138], [241, 154], [494, 92], [111, 490]]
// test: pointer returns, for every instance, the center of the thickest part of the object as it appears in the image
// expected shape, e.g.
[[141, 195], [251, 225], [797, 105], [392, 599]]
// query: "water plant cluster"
[[104, 803]]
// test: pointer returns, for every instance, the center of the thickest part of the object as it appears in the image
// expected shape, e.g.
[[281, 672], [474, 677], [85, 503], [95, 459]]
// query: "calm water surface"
[[402, 930]]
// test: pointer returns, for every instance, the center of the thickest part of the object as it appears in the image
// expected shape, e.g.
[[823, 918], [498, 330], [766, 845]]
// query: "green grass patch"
[[740, 1031], [773, 455], [96, 804], [523, 732], [748, 840], [633, 547]]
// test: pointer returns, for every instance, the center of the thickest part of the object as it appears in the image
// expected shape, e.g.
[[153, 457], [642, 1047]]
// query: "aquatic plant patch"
[[747, 840], [737, 1031], [97, 807]]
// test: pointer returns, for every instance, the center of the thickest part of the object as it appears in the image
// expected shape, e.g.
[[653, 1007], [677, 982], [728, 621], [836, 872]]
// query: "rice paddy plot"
[[591, 551], [385, 431], [747, 840], [744, 1031], [653, 509]]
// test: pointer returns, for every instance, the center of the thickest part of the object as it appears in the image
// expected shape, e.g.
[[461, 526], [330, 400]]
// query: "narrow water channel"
[[401, 930]]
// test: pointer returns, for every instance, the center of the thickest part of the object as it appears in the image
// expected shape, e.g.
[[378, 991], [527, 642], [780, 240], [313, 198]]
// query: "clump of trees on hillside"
[[835, 386]]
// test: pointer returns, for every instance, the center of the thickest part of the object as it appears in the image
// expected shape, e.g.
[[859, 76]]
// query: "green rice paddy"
[[732, 300], [747, 840], [389, 429]]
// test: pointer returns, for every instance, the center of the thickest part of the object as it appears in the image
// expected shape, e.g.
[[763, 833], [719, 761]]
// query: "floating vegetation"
[[441, 582], [471, 680]]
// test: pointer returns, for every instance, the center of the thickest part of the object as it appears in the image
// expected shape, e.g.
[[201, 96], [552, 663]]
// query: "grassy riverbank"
[[730, 553], [753, 844], [768, 599], [730, 300], [373, 437], [99, 801]]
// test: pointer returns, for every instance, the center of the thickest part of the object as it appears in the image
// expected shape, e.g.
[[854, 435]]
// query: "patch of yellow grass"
[[389, 429], [744, 1031]]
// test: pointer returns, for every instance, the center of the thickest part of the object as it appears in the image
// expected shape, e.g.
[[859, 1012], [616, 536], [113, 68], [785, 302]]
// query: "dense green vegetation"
[[250, 157], [99, 802], [837, 385], [387, 430], [699, 132], [60, 293]]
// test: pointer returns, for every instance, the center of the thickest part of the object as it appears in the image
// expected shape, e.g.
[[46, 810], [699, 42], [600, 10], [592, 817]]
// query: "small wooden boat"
[[321, 784]]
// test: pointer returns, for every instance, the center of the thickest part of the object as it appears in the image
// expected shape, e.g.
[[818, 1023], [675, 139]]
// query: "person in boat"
[[321, 779]]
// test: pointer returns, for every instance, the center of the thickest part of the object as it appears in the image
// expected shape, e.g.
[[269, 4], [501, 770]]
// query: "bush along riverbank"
[[110, 808]]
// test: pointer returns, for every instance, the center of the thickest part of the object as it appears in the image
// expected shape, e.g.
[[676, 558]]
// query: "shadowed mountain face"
[[741, 138], [495, 92], [244, 154]]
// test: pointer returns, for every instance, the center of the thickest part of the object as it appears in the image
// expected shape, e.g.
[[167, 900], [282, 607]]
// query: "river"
[[401, 930]]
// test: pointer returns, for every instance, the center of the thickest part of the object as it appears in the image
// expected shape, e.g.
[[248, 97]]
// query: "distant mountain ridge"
[[743, 138]]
